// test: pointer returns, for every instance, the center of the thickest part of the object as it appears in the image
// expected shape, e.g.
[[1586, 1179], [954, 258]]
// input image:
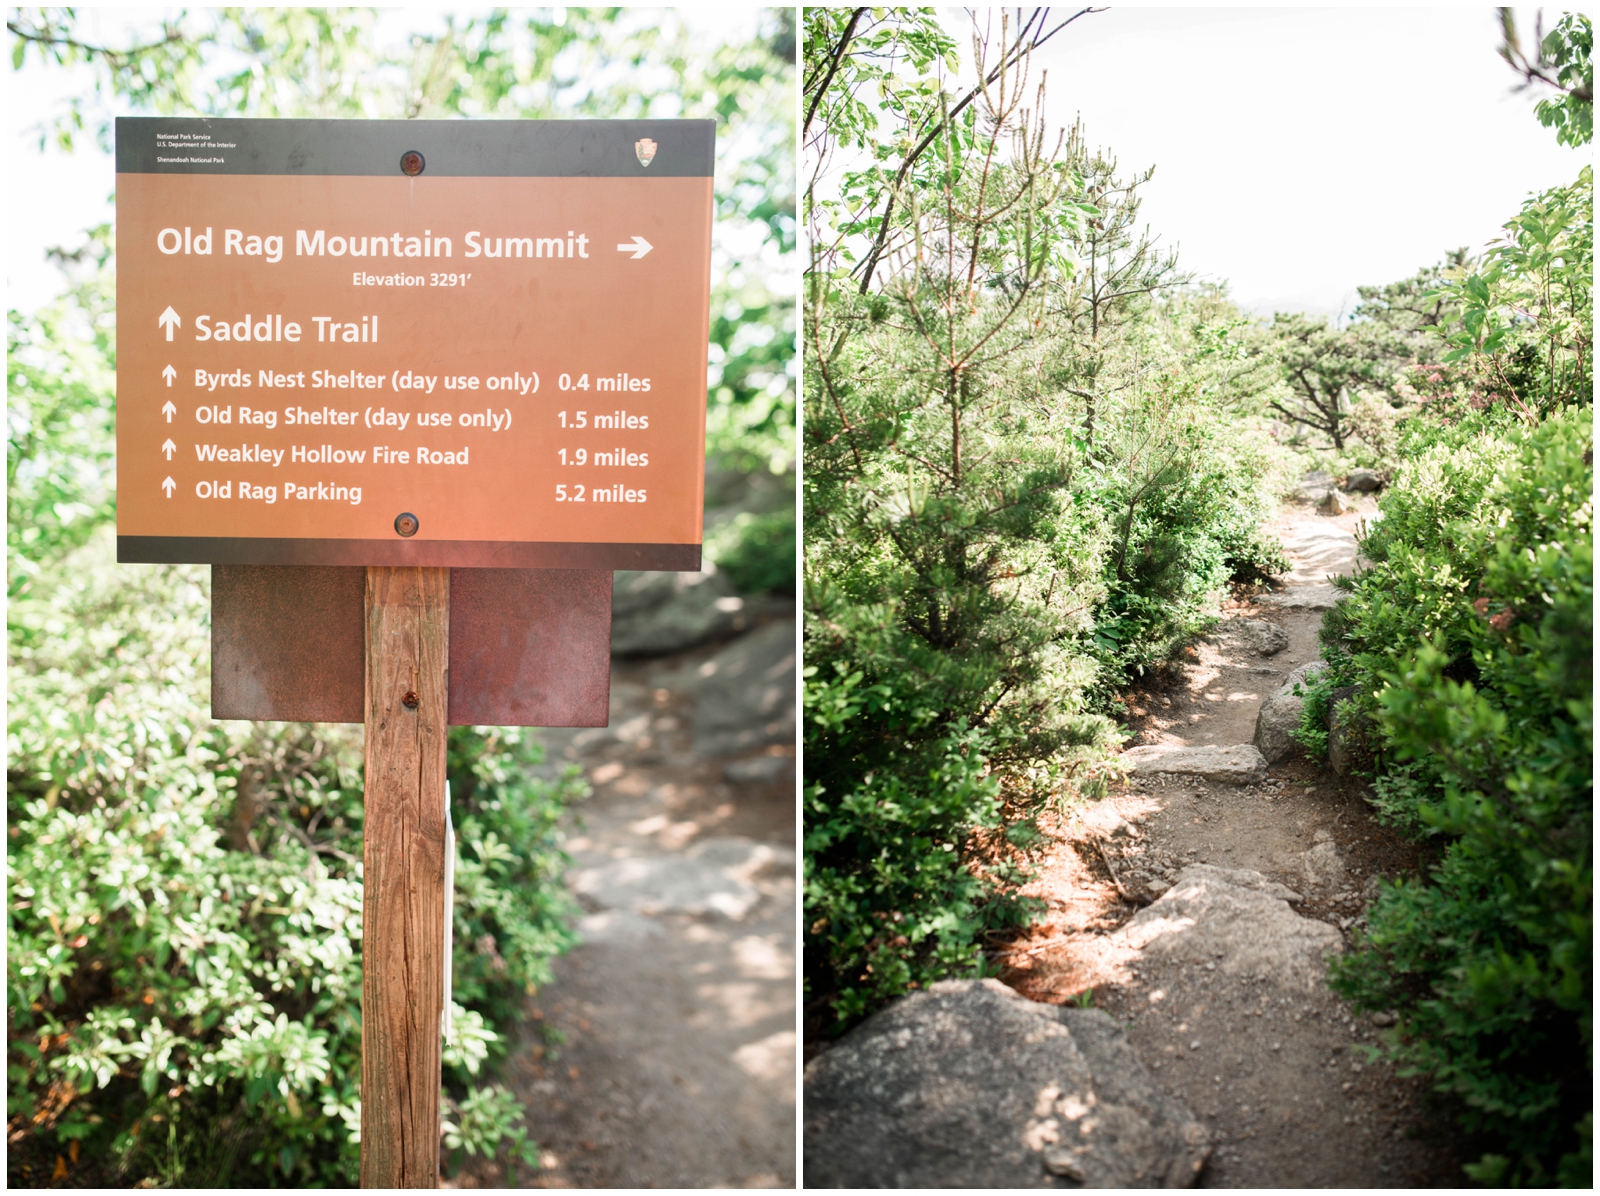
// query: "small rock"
[[1363, 480], [1322, 866], [1103, 818], [1280, 715], [1241, 764], [1267, 639], [1383, 1018], [1334, 503], [1058, 1160]]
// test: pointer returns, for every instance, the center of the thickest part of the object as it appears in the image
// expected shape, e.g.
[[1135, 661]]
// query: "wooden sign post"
[[402, 911], [413, 389]]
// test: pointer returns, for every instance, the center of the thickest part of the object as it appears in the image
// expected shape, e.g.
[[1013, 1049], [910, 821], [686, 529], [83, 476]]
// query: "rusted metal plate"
[[288, 643], [528, 647]]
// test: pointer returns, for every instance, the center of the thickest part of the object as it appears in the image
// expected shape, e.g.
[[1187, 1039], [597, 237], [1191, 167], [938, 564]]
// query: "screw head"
[[406, 523], [412, 163], [409, 699]]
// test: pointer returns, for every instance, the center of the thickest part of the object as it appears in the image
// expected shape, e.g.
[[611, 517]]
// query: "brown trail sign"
[[413, 389]]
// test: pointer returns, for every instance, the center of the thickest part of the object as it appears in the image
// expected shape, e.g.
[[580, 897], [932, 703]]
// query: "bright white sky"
[[1301, 152]]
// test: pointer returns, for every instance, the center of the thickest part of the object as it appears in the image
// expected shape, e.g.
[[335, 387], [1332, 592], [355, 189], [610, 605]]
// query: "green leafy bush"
[[1471, 642], [1023, 487], [756, 551], [891, 901], [184, 965]]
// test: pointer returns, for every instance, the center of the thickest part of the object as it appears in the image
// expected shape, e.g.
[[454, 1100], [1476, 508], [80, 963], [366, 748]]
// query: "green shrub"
[[1471, 641], [756, 551], [1312, 733], [184, 934]]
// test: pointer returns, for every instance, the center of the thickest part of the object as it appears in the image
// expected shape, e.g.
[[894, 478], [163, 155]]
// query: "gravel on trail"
[[1199, 913], [662, 1054]]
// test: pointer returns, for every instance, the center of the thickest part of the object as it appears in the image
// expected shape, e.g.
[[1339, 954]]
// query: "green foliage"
[[1471, 642], [1312, 733], [756, 551], [1527, 310], [481, 1122], [1565, 61], [60, 436], [1020, 490], [891, 903], [185, 898], [1326, 369]]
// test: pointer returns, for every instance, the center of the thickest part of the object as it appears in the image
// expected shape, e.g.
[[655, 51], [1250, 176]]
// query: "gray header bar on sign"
[[451, 148]]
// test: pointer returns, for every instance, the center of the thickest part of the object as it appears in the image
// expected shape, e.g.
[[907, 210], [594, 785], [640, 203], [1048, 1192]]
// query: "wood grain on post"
[[402, 909]]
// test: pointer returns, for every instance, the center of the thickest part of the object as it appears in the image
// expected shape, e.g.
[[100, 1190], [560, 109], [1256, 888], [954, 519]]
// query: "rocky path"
[[662, 1055], [1197, 903]]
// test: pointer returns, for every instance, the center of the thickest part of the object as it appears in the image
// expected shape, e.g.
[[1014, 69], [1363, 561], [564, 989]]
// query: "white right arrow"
[[167, 409], [169, 320], [167, 486], [169, 373], [638, 248], [169, 448]]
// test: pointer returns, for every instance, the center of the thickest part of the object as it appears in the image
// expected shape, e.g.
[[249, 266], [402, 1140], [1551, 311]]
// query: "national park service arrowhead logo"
[[646, 150]]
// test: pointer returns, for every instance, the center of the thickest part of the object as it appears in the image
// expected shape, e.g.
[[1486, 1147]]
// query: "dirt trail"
[[1272, 1061], [672, 1058]]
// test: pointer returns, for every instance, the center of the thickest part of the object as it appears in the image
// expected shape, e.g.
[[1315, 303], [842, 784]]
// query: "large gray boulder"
[[656, 614], [1237, 920], [1280, 715], [968, 1085], [744, 695], [1241, 764]]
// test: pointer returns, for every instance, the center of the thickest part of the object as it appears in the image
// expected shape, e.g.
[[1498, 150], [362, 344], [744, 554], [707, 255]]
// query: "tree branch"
[[827, 80], [1007, 60], [117, 58]]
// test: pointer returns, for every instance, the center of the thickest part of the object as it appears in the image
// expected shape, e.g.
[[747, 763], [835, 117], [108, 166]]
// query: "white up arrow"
[[638, 248], [169, 373], [169, 448], [167, 409], [168, 486], [169, 320]]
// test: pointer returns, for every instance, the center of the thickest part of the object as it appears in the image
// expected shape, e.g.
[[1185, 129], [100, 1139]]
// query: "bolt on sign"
[[445, 343], [478, 345]]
